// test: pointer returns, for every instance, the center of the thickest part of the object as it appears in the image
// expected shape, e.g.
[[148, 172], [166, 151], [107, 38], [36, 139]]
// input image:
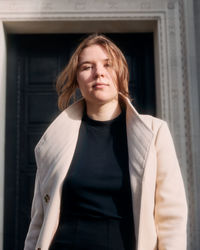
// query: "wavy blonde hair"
[[67, 84]]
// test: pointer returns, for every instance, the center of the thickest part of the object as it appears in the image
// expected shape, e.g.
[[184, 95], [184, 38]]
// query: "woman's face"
[[96, 77]]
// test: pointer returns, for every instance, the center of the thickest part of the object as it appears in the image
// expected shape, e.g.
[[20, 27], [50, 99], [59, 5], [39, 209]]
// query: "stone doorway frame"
[[172, 86]]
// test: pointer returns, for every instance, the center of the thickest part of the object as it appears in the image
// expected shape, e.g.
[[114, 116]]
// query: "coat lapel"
[[54, 153], [57, 145], [139, 137]]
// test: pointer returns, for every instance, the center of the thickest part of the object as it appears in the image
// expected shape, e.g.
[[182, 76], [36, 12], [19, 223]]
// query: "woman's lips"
[[99, 85]]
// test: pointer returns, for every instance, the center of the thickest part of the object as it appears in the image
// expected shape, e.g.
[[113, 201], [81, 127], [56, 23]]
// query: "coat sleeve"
[[170, 203], [36, 216]]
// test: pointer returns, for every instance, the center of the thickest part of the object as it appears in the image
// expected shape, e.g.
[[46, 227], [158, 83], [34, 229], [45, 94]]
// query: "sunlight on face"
[[96, 77]]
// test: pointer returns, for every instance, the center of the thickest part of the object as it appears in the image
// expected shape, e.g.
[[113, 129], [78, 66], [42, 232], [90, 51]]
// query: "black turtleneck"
[[97, 183]]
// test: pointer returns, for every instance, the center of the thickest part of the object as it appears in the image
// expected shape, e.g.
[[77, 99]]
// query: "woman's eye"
[[86, 68], [107, 65]]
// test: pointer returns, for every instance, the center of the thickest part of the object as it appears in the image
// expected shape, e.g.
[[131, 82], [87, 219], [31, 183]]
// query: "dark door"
[[34, 61]]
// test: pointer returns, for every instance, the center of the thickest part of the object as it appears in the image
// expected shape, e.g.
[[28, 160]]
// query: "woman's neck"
[[103, 112]]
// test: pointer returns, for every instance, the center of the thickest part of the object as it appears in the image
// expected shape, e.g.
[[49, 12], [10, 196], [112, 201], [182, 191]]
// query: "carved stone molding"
[[167, 18], [193, 218]]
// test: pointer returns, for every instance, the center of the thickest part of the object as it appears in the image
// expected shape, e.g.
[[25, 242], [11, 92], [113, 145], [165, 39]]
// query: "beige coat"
[[159, 203]]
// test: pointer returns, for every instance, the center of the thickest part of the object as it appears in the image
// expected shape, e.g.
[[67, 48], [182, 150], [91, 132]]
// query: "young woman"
[[107, 178]]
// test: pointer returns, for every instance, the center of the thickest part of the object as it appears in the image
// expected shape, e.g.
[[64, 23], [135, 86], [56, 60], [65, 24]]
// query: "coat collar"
[[139, 138], [139, 134], [63, 133]]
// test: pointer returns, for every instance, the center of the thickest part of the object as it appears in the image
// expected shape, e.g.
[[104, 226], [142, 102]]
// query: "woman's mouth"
[[100, 85]]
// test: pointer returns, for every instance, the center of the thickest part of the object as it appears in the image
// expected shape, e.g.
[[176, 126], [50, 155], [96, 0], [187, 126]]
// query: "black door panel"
[[34, 62]]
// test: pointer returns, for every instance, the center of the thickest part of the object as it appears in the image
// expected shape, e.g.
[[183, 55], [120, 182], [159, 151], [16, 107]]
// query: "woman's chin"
[[102, 99]]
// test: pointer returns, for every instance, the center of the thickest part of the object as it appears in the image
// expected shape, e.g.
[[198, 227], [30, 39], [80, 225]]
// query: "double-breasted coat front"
[[158, 196]]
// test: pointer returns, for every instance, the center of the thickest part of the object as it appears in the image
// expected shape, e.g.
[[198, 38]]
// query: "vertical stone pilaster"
[[176, 77], [2, 126], [192, 123]]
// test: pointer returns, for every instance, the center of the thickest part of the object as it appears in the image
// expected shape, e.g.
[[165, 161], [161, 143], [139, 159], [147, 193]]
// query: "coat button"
[[46, 198]]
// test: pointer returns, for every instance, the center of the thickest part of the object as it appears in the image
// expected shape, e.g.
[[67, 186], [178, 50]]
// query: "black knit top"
[[98, 183]]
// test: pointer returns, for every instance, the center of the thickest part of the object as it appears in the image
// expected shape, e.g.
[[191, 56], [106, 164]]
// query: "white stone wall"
[[196, 89], [196, 8], [175, 59], [193, 107], [2, 122]]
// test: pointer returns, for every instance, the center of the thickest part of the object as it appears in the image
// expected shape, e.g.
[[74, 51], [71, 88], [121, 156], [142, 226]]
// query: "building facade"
[[175, 27]]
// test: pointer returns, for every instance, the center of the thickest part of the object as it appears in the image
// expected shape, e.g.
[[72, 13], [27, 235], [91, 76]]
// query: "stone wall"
[[2, 122], [175, 59], [197, 36]]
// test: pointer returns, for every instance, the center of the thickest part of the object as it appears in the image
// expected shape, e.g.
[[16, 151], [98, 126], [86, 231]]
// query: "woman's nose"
[[99, 71]]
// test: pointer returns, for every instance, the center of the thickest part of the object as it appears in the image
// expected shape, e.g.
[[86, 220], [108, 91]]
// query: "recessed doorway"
[[34, 62]]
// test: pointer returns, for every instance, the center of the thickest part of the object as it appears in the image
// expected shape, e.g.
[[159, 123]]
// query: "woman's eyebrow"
[[90, 62]]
